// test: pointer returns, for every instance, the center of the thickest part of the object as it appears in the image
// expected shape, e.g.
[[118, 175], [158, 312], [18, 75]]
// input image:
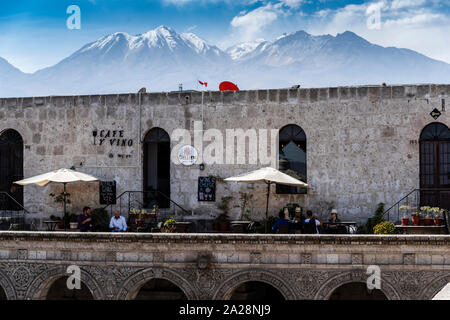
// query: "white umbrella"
[[269, 176], [63, 176]]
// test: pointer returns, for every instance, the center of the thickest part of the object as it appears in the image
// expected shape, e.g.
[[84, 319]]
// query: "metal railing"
[[418, 198], [128, 200], [12, 213]]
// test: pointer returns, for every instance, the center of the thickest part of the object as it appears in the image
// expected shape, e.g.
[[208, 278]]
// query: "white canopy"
[[61, 176], [268, 175]]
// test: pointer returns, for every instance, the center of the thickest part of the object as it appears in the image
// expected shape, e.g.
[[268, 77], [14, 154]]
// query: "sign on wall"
[[107, 192], [187, 155], [206, 189]]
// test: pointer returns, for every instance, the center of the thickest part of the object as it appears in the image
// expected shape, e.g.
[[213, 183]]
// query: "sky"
[[34, 34]]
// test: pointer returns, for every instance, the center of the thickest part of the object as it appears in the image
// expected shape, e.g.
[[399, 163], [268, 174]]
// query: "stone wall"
[[211, 266], [362, 142]]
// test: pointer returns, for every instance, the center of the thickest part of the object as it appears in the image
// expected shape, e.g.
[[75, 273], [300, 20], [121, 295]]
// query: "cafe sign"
[[114, 138], [187, 155]]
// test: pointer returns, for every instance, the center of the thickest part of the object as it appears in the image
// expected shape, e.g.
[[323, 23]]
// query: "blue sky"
[[33, 34]]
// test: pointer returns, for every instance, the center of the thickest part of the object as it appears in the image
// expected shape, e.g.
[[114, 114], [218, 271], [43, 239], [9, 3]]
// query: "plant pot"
[[437, 222], [224, 226], [405, 221], [61, 224], [416, 220], [73, 225], [427, 221]]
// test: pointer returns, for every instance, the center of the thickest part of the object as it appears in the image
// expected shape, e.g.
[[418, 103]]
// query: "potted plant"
[[384, 227], [437, 216], [405, 219], [134, 213], [60, 221], [415, 217], [223, 219], [169, 225], [155, 211], [73, 221], [427, 220]]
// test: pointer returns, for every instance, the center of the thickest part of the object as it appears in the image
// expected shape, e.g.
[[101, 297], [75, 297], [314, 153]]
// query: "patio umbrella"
[[269, 176], [63, 176]]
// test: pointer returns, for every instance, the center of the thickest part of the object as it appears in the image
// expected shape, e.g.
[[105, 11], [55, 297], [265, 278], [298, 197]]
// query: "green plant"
[[224, 206], [384, 227], [59, 198], [245, 199], [100, 219], [55, 218], [376, 219], [169, 225], [73, 217]]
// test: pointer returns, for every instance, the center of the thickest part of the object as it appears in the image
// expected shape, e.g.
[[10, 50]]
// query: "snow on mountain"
[[241, 50], [161, 58]]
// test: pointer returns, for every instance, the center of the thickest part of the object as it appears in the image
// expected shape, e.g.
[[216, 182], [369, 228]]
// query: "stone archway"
[[330, 286], [134, 283], [7, 291], [356, 291], [41, 285], [435, 287], [225, 290]]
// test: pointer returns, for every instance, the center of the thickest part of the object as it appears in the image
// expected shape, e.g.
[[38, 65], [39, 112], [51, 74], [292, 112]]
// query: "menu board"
[[107, 192], [206, 188]]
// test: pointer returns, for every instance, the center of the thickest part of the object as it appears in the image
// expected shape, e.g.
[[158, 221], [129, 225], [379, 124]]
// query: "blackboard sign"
[[107, 192], [206, 189]]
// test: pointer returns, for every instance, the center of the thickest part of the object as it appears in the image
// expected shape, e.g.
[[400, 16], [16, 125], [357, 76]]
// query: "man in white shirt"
[[118, 223]]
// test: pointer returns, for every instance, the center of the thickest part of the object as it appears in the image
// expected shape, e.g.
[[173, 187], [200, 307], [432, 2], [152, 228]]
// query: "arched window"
[[157, 168], [292, 157], [160, 289], [11, 169], [435, 165]]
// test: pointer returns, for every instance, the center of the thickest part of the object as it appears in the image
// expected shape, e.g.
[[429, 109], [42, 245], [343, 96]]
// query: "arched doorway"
[[443, 294], [59, 291], [11, 169], [292, 157], [2, 294], [256, 290], [435, 165], [357, 291], [157, 168], [160, 289]]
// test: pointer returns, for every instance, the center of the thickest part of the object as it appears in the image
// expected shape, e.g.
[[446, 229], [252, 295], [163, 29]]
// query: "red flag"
[[203, 83]]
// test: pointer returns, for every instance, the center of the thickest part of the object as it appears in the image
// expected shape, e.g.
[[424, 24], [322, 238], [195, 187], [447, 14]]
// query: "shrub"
[[376, 219], [384, 228]]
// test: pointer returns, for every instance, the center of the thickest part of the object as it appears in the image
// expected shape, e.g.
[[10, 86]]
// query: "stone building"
[[354, 146]]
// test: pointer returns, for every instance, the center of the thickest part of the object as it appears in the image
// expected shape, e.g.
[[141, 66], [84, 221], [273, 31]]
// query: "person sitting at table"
[[85, 220], [332, 226], [282, 221], [297, 221], [311, 224], [118, 223]]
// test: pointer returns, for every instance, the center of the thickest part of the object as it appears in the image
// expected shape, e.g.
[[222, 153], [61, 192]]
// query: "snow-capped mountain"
[[160, 59]]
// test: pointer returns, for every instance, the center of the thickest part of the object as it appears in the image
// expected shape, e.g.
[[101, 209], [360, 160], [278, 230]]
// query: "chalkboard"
[[107, 192], [206, 189]]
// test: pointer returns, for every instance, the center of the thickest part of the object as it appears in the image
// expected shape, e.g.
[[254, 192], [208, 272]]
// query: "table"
[[350, 226], [239, 226], [51, 225]]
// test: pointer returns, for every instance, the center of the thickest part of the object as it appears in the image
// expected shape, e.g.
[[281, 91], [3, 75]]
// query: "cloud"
[[249, 24], [398, 4]]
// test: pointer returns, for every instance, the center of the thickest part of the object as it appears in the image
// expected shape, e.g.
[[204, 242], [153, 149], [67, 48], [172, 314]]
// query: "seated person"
[[118, 223], [282, 221], [332, 227], [311, 224], [297, 221]]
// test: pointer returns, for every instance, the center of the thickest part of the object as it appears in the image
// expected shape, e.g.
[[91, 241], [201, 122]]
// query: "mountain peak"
[[348, 35]]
